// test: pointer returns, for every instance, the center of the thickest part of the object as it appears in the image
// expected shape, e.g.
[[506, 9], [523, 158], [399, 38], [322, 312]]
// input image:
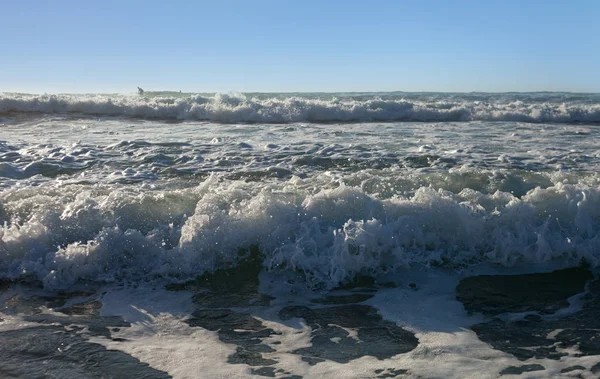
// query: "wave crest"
[[234, 108], [62, 237]]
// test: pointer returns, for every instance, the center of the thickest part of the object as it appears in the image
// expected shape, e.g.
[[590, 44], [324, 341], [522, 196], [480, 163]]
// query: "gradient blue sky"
[[368, 45]]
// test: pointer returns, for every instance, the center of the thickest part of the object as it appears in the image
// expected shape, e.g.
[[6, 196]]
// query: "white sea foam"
[[65, 234], [232, 108]]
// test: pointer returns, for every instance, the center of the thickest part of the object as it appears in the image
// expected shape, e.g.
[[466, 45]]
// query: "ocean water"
[[350, 235]]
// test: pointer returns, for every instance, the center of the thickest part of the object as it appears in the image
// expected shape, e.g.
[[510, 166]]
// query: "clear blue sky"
[[303, 45]]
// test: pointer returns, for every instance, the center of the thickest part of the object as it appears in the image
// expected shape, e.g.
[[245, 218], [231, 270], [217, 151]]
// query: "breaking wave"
[[63, 236], [234, 108]]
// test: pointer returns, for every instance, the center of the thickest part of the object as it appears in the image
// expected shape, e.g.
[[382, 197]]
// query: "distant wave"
[[234, 108]]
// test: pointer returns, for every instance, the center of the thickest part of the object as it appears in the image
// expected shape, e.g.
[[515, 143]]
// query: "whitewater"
[[283, 108], [292, 235]]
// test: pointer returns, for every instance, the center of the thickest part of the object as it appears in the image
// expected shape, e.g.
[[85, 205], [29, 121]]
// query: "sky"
[[299, 46]]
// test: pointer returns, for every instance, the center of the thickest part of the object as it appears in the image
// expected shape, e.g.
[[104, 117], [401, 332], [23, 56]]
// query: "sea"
[[300, 235]]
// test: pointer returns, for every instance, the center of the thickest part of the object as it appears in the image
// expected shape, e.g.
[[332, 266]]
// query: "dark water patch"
[[543, 333], [231, 287], [83, 309], [391, 373], [360, 282], [85, 314], [235, 287], [229, 299], [244, 272], [518, 370], [244, 355], [264, 371], [59, 347], [524, 339], [243, 298], [241, 329], [4, 283], [54, 352], [343, 299], [572, 368], [27, 301], [331, 339], [495, 294]]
